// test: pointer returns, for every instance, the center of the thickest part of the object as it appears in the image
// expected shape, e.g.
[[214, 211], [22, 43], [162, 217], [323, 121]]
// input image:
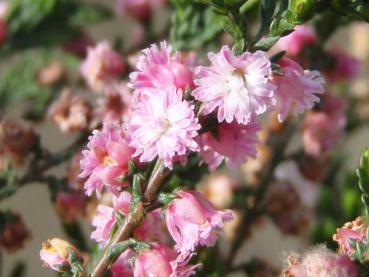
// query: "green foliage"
[[354, 8], [193, 25], [363, 174], [18, 80], [48, 22]]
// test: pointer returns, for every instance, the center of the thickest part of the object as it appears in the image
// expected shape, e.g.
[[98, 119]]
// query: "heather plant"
[[181, 138]]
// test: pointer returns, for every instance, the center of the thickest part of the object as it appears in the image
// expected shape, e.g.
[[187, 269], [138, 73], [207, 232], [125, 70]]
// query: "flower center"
[[108, 161]]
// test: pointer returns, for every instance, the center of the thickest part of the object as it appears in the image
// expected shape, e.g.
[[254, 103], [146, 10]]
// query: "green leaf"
[[34, 23], [25, 68], [239, 47], [233, 29], [193, 25], [363, 174], [265, 43]]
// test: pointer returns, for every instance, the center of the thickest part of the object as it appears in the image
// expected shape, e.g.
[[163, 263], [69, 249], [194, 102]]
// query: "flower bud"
[[192, 220], [13, 231], [55, 253], [302, 10], [352, 235], [160, 260], [182, 75]]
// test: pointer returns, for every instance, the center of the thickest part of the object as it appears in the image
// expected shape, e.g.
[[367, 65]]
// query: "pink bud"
[[182, 76], [192, 220], [294, 43], [153, 262], [55, 253], [153, 228], [123, 265], [160, 260]]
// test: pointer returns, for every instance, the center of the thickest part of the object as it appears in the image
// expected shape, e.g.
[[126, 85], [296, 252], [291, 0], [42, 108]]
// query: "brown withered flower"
[[16, 138], [13, 231], [70, 112]]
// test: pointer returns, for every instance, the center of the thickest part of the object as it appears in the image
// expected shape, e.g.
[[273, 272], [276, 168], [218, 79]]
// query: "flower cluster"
[[176, 111]]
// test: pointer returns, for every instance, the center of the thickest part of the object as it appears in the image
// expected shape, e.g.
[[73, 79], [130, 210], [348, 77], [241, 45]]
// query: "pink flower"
[[101, 66], [106, 217], [355, 231], [159, 68], [294, 43], [123, 267], [113, 107], [55, 253], [106, 159], [162, 125], [192, 220], [346, 67], [234, 143], [321, 131], [153, 228], [297, 89], [160, 261], [320, 262], [237, 86]]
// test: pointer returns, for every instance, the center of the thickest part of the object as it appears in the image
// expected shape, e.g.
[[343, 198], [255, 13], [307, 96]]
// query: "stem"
[[278, 144], [135, 216], [249, 5], [158, 175]]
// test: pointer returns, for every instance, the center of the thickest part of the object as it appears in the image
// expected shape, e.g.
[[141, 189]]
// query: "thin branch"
[[134, 217]]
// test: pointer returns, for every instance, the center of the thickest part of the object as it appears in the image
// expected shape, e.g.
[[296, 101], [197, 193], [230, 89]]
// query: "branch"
[[135, 216]]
